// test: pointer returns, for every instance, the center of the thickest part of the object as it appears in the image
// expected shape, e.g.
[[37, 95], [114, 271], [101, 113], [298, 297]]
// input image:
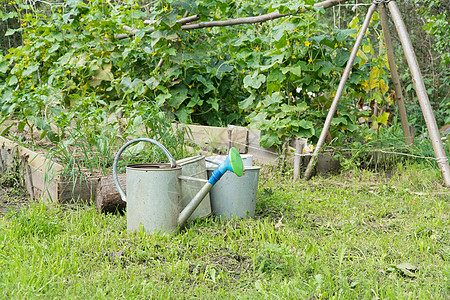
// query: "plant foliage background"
[[65, 73]]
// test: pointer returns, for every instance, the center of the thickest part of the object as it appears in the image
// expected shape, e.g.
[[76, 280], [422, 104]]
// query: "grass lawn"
[[357, 235]]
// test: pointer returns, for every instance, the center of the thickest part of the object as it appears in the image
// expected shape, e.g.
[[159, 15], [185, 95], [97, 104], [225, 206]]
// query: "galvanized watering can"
[[153, 190]]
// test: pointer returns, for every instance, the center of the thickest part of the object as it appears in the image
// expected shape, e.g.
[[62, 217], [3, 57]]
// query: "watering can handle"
[[173, 162]]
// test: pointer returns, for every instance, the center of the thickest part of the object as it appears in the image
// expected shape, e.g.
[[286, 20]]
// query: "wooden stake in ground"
[[299, 145], [421, 92]]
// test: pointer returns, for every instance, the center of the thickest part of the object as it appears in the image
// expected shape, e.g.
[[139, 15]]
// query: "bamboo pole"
[[394, 74], [340, 90], [421, 92]]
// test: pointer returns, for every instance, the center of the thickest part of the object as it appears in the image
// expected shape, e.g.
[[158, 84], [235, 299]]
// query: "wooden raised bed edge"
[[43, 179]]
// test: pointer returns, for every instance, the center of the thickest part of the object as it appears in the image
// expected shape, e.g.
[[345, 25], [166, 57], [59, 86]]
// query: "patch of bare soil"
[[12, 200]]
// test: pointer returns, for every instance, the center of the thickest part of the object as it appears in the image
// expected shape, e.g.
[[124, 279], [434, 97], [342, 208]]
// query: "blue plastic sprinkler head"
[[232, 163]]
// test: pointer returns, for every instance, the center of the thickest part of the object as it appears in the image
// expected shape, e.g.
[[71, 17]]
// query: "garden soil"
[[12, 200]]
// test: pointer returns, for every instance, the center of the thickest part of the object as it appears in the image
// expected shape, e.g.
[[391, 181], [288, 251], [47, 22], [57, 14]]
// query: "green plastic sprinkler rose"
[[232, 163]]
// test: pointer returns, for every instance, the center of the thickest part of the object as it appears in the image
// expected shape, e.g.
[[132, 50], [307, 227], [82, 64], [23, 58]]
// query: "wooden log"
[[108, 198]]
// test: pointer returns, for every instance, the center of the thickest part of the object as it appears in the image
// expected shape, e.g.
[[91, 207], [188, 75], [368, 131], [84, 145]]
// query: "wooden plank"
[[36, 160], [43, 185], [39, 185], [260, 154], [43, 176], [6, 159]]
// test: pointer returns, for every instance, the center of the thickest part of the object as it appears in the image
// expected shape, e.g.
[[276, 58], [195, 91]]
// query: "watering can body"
[[153, 197], [154, 194]]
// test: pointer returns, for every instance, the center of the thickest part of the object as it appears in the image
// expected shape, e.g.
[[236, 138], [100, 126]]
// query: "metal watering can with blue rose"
[[153, 195]]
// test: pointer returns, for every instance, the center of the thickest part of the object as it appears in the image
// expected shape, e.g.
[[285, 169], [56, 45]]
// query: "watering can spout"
[[232, 163]]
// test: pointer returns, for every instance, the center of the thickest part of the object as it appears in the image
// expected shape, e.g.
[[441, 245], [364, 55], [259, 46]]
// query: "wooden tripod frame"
[[417, 79]]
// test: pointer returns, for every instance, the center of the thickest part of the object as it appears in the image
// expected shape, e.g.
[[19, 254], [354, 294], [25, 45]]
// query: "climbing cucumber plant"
[[278, 76]]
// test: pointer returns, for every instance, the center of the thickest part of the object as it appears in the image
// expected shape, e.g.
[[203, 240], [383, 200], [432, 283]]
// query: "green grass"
[[342, 237]]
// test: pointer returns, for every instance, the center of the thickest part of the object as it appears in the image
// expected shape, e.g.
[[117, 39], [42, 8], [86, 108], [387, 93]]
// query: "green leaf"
[[352, 127], [406, 269], [209, 86], [378, 97], [305, 124], [248, 102], [65, 58], [224, 68], [342, 34], [126, 83], [214, 102], [269, 139], [6, 16], [72, 3], [276, 76], [305, 132], [383, 118], [188, 5], [11, 31], [339, 120], [53, 137], [53, 48], [296, 70], [254, 81], [195, 101], [161, 99], [100, 75], [43, 134], [7, 128], [271, 99], [12, 80], [39, 123], [170, 19], [152, 83], [21, 125], [140, 33], [30, 70], [183, 114], [342, 57], [179, 94], [156, 36], [4, 66]]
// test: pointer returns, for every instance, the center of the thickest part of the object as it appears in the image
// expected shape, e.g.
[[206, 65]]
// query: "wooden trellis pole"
[[339, 91], [394, 75], [417, 79], [421, 92]]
